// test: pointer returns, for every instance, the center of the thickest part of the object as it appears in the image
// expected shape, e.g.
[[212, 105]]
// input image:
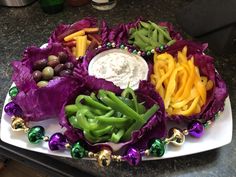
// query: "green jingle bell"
[[77, 151], [36, 134], [13, 92], [157, 148]]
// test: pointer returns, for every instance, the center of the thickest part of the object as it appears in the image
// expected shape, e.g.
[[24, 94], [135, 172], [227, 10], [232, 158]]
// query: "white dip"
[[120, 67]]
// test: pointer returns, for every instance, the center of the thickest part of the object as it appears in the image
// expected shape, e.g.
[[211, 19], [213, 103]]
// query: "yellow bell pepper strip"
[[191, 109], [182, 88], [209, 85], [182, 85], [190, 81], [74, 35], [171, 66], [171, 87]]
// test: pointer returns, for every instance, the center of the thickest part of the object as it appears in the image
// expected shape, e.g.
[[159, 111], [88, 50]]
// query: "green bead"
[[122, 46], [161, 47], [77, 151], [36, 134], [157, 148], [206, 125], [13, 91], [149, 52], [108, 44], [135, 52]]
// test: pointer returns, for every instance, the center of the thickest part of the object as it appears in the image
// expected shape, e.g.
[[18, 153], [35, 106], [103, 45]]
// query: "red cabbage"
[[63, 30], [118, 34], [205, 63], [41, 103], [46, 102], [154, 128]]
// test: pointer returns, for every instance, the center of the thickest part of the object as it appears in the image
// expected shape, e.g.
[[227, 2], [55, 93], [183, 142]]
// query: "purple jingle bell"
[[133, 157], [57, 142], [12, 108], [196, 129]]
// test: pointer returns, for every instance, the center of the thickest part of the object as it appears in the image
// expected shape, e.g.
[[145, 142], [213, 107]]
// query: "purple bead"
[[57, 142], [196, 129], [133, 157], [12, 109]]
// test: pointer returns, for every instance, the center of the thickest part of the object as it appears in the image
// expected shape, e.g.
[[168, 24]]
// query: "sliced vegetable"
[[107, 117], [149, 36], [74, 35], [81, 46]]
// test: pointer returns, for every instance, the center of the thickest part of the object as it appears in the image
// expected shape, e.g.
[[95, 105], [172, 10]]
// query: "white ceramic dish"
[[217, 135]]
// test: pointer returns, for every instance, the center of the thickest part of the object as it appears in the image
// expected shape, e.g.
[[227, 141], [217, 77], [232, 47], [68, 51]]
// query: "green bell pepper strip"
[[115, 103], [150, 112], [115, 137], [91, 102], [135, 126], [126, 93], [111, 120], [71, 109], [91, 138], [109, 113], [93, 96], [102, 131], [82, 116], [98, 112], [74, 121]]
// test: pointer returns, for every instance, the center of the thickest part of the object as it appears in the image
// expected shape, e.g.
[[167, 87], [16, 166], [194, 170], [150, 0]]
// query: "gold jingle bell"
[[104, 158], [18, 124], [176, 137]]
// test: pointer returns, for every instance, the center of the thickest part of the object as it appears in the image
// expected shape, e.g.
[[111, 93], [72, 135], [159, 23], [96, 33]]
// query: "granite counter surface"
[[26, 26]]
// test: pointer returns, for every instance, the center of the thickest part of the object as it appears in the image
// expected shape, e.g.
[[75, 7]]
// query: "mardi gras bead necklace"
[[105, 156]]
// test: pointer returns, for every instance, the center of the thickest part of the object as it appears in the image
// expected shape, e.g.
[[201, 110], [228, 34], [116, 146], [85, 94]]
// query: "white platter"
[[217, 135]]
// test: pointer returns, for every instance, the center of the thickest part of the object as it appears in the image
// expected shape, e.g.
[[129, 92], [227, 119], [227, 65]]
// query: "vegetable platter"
[[136, 91]]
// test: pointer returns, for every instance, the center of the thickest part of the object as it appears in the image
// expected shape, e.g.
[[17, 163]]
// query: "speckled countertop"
[[22, 27]]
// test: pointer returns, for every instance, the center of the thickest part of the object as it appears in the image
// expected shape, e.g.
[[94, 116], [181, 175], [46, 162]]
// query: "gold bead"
[[90, 154], [185, 132], [18, 124], [176, 137], [209, 122], [116, 158], [104, 158], [147, 152], [45, 138], [113, 44], [68, 146]]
